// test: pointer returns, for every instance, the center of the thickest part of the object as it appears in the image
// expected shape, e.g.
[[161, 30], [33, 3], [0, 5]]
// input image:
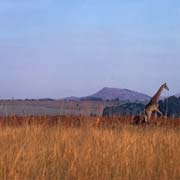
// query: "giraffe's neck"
[[156, 97]]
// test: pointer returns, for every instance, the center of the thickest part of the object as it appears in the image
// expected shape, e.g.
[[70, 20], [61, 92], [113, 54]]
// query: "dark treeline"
[[169, 107]]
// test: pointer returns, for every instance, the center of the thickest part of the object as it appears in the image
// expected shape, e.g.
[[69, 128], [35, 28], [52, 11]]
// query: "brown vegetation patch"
[[65, 147], [81, 121]]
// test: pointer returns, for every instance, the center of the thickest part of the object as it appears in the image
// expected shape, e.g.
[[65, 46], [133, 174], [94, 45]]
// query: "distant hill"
[[120, 94], [89, 98], [46, 99], [72, 98]]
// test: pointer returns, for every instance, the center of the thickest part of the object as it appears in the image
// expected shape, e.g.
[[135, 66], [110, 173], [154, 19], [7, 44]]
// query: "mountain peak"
[[109, 93]]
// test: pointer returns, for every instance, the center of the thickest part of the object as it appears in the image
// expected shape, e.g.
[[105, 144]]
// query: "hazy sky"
[[59, 48]]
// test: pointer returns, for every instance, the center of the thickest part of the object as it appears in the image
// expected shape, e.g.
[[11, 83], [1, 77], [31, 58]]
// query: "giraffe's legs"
[[146, 119], [159, 112], [147, 116]]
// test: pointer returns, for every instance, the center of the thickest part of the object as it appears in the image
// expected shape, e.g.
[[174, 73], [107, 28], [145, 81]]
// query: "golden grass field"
[[73, 148]]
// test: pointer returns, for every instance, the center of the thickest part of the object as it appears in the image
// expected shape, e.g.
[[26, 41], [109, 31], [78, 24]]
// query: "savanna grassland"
[[67, 147]]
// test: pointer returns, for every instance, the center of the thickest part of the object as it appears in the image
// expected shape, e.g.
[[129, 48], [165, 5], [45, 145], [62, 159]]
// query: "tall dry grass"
[[37, 151]]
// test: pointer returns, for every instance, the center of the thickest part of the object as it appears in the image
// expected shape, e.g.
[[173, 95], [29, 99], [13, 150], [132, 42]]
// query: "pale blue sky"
[[55, 48]]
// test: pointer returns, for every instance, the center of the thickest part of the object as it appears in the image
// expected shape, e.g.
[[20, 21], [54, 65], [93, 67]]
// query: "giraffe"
[[153, 103]]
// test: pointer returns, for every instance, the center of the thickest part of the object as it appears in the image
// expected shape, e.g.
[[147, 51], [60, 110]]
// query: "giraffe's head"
[[166, 87]]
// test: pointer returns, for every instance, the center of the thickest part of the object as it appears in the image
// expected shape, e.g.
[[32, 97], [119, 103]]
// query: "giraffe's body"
[[153, 103]]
